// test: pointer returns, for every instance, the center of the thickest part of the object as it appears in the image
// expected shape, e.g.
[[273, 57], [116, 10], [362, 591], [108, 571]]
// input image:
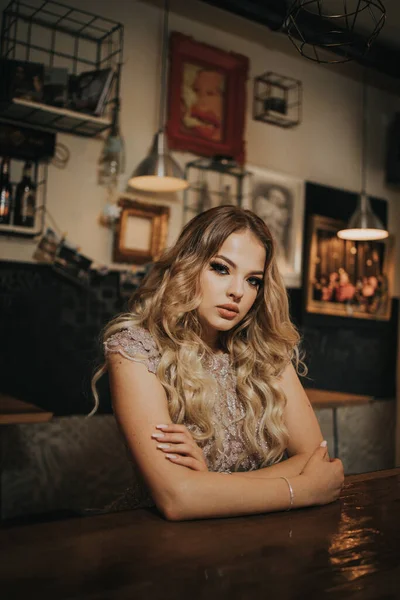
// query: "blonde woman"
[[203, 380]]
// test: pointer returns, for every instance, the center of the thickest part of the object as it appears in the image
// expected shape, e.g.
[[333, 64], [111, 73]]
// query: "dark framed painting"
[[347, 278], [141, 233], [207, 99]]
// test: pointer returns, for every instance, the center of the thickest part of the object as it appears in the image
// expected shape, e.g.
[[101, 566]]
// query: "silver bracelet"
[[290, 492]]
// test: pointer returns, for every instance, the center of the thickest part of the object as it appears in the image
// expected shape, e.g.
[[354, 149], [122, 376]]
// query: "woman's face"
[[229, 284]]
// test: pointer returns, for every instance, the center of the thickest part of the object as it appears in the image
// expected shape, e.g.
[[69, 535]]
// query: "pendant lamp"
[[159, 172], [364, 224], [334, 31]]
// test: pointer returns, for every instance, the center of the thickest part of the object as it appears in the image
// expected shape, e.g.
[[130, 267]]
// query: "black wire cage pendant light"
[[334, 31]]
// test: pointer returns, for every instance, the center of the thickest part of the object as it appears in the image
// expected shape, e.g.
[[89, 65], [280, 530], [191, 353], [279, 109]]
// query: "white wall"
[[324, 149]]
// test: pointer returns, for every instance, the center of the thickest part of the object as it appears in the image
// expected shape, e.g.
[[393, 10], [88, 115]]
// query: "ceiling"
[[390, 34], [383, 56]]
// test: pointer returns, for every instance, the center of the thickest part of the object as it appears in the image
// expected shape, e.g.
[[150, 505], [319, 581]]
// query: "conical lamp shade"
[[158, 172], [364, 224]]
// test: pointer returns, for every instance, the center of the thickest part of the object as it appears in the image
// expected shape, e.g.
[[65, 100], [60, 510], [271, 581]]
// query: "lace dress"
[[138, 345]]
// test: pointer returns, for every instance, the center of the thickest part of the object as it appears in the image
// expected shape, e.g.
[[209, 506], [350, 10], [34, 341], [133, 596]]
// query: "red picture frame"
[[206, 99]]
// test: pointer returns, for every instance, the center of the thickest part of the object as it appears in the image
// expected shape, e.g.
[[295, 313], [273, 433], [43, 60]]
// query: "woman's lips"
[[225, 313]]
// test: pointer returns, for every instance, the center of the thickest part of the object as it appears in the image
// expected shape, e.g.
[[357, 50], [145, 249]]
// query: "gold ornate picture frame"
[[141, 233], [346, 278]]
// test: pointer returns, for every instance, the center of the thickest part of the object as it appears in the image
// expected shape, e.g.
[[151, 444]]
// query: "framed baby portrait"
[[207, 99], [347, 278], [279, 200]]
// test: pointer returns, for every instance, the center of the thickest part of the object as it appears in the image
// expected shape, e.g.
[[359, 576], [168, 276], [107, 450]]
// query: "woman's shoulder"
[[134, 343]]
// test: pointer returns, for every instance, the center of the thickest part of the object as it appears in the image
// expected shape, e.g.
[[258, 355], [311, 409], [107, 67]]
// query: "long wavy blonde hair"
[[260, 346]]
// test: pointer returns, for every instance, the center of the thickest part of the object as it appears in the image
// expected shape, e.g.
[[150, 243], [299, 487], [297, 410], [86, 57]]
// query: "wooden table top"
[[348, 549], [14, 411], [329, 399]]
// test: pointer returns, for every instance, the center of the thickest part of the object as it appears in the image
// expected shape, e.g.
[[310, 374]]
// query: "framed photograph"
[[47, 247], [71, 263], [279, 200], [207, 99], [346, 278], [21, 79], [26, 143], [55, 89], [141, 233], [88, 92]]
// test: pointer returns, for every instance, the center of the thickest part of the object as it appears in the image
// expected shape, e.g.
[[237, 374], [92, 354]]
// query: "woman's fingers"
[[172, 428], [174, 438], [177, 449], [183, 450]]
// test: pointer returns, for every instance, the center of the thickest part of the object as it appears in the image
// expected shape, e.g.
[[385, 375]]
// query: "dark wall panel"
[[49, 331]]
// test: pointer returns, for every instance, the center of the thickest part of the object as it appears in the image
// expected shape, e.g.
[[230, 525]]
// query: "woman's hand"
[[324, 477], [326, 457], [179, 447]]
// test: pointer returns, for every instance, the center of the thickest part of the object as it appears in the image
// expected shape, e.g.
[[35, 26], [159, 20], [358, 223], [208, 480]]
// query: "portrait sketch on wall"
[[279, 200]]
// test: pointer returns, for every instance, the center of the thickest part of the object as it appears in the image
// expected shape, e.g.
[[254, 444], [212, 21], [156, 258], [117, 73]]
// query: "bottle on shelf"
[[112, 161], [25, 199], [6, 198], [226, 197], [204, 201]]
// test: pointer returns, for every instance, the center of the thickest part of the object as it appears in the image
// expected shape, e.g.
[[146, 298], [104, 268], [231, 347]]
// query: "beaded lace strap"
[[135, 344]]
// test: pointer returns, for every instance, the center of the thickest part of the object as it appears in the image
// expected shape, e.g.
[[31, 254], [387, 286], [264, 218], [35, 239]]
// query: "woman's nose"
[[236, 288]]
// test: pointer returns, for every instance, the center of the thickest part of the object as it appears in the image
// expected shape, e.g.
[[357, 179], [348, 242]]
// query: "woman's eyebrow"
[[230, 262]]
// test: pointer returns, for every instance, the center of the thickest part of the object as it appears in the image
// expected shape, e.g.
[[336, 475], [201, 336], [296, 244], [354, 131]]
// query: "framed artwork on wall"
[[141, 232], [279, 200], [207, 99], [347, 278]]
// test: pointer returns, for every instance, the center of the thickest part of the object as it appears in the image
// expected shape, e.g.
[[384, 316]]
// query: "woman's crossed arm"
[[181, 493]]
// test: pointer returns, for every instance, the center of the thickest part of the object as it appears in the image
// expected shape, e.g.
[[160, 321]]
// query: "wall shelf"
[[52, 118], [21, 232], [60, 36]]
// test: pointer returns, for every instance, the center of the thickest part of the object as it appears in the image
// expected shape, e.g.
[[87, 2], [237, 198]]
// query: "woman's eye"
[[219, 268], [255, 282]]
